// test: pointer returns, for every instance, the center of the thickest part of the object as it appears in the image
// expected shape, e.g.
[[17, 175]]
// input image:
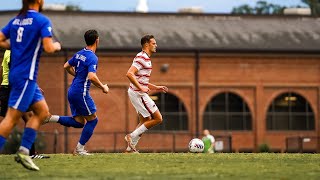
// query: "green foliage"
[[13, 142], [264, 148], [314, 6], [72, 7], [261, 8], [168, 166]]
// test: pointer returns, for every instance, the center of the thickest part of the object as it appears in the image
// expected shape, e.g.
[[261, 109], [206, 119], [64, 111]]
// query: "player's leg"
[[7, 124], [25, 117], [76, 101], [85, 108], [68, 121], [30, 95], [4, 98], [148, 109], [86, 134], [135, 141], [149, 123]]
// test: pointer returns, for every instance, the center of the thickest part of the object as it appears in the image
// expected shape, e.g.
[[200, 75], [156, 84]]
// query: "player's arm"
[[3, 41], [163, 89], [95, 80], [69, 68], [49, 46], [131, 76]]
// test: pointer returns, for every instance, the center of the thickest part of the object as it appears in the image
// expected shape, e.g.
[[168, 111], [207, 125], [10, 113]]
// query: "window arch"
[[173, 112], [290, 111], [227, 111]]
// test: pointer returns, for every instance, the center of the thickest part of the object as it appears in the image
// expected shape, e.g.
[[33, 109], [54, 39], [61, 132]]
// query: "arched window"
[[173, 112], [290, 111], [227, 111]]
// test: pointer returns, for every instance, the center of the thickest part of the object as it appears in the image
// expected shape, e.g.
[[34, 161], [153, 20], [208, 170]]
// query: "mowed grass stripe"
[[168, 166]]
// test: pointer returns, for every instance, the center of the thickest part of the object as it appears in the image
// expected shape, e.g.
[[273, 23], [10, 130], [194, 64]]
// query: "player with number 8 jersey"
[[29, 32]]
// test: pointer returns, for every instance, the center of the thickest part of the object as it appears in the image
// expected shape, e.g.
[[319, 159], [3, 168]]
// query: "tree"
[[314, 6], [261, 8], [72, 7]]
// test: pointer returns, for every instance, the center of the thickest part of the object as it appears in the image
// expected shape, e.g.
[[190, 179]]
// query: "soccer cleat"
[[128, 138], [80, 152], [131, 151], [39, 156], [26, 161]]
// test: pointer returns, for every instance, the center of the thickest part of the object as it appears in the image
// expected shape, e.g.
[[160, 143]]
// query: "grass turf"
[[167, 166]]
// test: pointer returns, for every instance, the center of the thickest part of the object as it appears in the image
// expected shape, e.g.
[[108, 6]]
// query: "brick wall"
[[258, 79]]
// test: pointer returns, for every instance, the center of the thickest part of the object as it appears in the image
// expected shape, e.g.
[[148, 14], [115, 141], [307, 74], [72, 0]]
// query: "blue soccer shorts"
[[81, 105], [23, 94]]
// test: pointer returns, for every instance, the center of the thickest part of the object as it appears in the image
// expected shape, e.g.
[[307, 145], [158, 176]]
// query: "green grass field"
[[168, 166]]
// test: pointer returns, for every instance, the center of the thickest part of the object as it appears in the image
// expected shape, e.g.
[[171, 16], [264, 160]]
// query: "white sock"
[[53, 118], [80, 146], [24, 150], [138, 131]]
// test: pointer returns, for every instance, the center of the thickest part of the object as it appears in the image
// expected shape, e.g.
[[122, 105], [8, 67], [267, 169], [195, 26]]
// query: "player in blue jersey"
[[83, 66], [29, 32]]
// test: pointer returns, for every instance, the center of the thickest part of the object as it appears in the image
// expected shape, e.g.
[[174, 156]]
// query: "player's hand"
[[57, 46], [105, 89], [163, 89], [145, 89]]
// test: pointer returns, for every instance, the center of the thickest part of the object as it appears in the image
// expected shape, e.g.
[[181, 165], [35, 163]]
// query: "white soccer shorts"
[[143, 104]]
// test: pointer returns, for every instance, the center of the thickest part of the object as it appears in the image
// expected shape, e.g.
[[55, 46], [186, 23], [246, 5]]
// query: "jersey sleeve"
[[92, 67], [137, 63], [72, 61], [6, 30], [46, 29]]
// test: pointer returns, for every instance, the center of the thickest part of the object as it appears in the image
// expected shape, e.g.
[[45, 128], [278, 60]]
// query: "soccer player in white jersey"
[[139, 75]]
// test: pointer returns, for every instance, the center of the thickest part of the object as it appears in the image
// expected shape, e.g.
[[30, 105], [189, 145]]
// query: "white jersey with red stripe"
[[143, 63]]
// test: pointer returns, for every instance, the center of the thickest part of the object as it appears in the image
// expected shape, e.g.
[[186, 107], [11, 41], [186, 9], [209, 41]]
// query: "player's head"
[[27, 3], [91, 37], [206, 132], [148, 42]]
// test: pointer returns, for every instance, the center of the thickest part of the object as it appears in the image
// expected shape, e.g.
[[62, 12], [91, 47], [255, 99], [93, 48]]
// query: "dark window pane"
[[310, 122], [227, 111], [298, 104], [281, 122], [173, 112], [235, 104], [290, 111], [236, 122], [269, 122], [298, 122], [218, 104], [248, 122]]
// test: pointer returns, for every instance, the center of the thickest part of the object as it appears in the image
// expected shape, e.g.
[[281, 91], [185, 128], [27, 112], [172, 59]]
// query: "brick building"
[[251, 80]]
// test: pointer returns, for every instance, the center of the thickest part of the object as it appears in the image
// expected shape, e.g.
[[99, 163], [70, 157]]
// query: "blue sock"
[[88, 131], [69, 121], [2, 142], [28, 138]]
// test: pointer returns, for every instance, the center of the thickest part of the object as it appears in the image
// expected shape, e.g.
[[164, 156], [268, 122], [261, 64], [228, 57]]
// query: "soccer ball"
[[196, 145]]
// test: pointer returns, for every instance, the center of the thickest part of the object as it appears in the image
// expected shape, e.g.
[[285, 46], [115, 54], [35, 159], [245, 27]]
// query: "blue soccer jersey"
[[84, 61], [25, 34]]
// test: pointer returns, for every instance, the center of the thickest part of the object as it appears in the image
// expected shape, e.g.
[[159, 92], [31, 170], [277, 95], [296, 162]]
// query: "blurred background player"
[[139, 75], [208, 141], [83, 66], [4, 98], [29, 33]]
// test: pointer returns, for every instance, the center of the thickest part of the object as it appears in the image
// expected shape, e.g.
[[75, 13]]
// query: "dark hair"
[[146, 39], [91, 36], [25, 6]]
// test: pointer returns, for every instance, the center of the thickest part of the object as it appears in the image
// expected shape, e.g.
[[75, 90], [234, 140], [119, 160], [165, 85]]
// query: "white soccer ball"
[[196, 145]]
